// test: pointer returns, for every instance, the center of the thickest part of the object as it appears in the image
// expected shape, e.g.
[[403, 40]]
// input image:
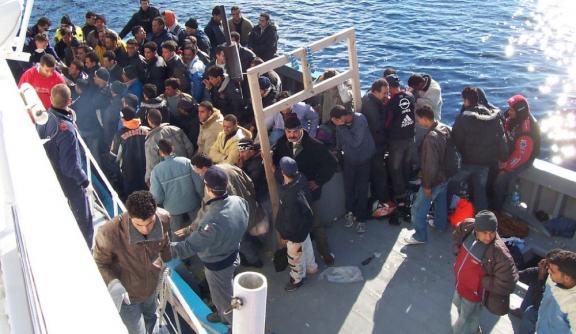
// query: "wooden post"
[[353, 63], [264, 141], [310, 89]]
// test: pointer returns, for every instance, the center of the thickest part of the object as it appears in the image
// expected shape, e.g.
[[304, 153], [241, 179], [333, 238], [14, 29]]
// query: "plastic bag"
[[347, 274]]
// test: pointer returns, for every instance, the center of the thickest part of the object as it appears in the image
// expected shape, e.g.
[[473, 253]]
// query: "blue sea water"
[[507, 47]]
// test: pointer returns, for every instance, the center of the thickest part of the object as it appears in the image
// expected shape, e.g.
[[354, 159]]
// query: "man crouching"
[[126, 252]]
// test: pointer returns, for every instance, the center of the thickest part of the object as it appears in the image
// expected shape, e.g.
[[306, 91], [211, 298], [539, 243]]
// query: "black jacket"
[[400, 119], [141, 18], [161, 38], [175, 68], [128, 146], [375, 112], [254, 167], [227, 98], [155, 73], [295, 217], [314, 161], [264, 43], [246, 57], [215, 35], [111, 120], [139, 62], [479, 136]]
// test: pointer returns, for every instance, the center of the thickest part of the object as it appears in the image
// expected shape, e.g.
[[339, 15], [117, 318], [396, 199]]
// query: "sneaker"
[[349, 220], [291, 286], [412, 241], [328, 259], [361, 228]]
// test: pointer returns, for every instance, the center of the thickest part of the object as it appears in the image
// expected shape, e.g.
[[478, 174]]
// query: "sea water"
[[507, 47]]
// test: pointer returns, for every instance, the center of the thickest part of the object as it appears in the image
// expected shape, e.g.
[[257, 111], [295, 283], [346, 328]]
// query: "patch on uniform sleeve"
[[523, 144], [63, 127]]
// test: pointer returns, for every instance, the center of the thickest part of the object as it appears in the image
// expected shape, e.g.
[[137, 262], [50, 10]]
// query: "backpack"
[[452, 159]]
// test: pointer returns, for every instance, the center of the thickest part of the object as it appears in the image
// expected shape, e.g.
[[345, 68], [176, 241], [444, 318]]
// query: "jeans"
[[502, 184], [478, 175], [380, 188], [400, 165], [529, 318], [140, 318], [468, 320], [356, 185], [420, 209]]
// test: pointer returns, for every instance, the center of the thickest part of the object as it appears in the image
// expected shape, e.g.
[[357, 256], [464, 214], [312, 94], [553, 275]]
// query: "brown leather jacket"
[[121, 252], [500, 273]]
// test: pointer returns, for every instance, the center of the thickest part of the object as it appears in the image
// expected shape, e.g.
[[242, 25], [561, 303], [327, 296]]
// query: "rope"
[[163, 294], [310, 59]]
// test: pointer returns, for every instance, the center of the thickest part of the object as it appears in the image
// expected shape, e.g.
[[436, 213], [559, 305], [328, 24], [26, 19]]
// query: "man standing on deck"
[[43, 77], [64, 153], [318, 166], [400, 123], [485, 272], [434, 178], [374, 108], [427, 92], [129, 251], [355, 140], [217, 240], [176, 187], [143, 17]]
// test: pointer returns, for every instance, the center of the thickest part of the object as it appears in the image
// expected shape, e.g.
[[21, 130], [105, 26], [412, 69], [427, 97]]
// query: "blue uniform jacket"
[[62, 148]]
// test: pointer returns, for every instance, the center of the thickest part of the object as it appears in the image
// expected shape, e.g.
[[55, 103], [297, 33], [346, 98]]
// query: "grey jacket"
[[219, 233], [176, 186], [183, 147], [356, 140]]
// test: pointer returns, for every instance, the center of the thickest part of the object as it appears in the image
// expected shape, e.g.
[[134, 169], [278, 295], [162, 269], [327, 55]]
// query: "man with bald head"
[[64, 153]]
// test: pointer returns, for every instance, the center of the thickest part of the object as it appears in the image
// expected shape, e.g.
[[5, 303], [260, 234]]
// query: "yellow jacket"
[[209, 131], [226, 151]]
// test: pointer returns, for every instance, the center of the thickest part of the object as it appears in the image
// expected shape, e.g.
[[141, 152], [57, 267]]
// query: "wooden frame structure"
[[310, 89]]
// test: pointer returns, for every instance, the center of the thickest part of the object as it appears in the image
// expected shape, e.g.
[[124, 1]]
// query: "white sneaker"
[[349, 220], [361, 228], [412, 241]]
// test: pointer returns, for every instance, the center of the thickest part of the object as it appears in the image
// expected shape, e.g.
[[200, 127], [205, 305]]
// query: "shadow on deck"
[[407, 289]]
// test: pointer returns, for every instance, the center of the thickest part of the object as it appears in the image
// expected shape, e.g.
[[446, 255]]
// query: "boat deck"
[[407, 289]]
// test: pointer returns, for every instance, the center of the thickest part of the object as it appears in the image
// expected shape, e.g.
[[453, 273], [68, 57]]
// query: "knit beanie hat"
[[485, 221]]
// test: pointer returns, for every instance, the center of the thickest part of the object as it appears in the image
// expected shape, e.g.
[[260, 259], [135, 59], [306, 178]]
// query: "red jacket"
[[41, 84], [469, 273], [526, 141]]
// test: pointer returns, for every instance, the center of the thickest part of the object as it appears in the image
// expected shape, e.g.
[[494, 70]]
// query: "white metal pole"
[[250, 318]]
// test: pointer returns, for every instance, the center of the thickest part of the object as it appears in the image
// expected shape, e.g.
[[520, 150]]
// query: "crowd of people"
[[175, 135]]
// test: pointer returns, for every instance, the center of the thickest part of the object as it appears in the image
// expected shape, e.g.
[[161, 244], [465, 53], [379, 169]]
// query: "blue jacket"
[[217, 239], [557, 313], [356, 140], [63, 149], [176, 186]]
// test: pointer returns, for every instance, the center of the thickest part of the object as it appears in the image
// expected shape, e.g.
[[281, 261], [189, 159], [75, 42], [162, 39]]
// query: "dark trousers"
[[502, 184], [380, 187], [477, 177], [400, 165], [356, 184], [80, 207], [318, 232]]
